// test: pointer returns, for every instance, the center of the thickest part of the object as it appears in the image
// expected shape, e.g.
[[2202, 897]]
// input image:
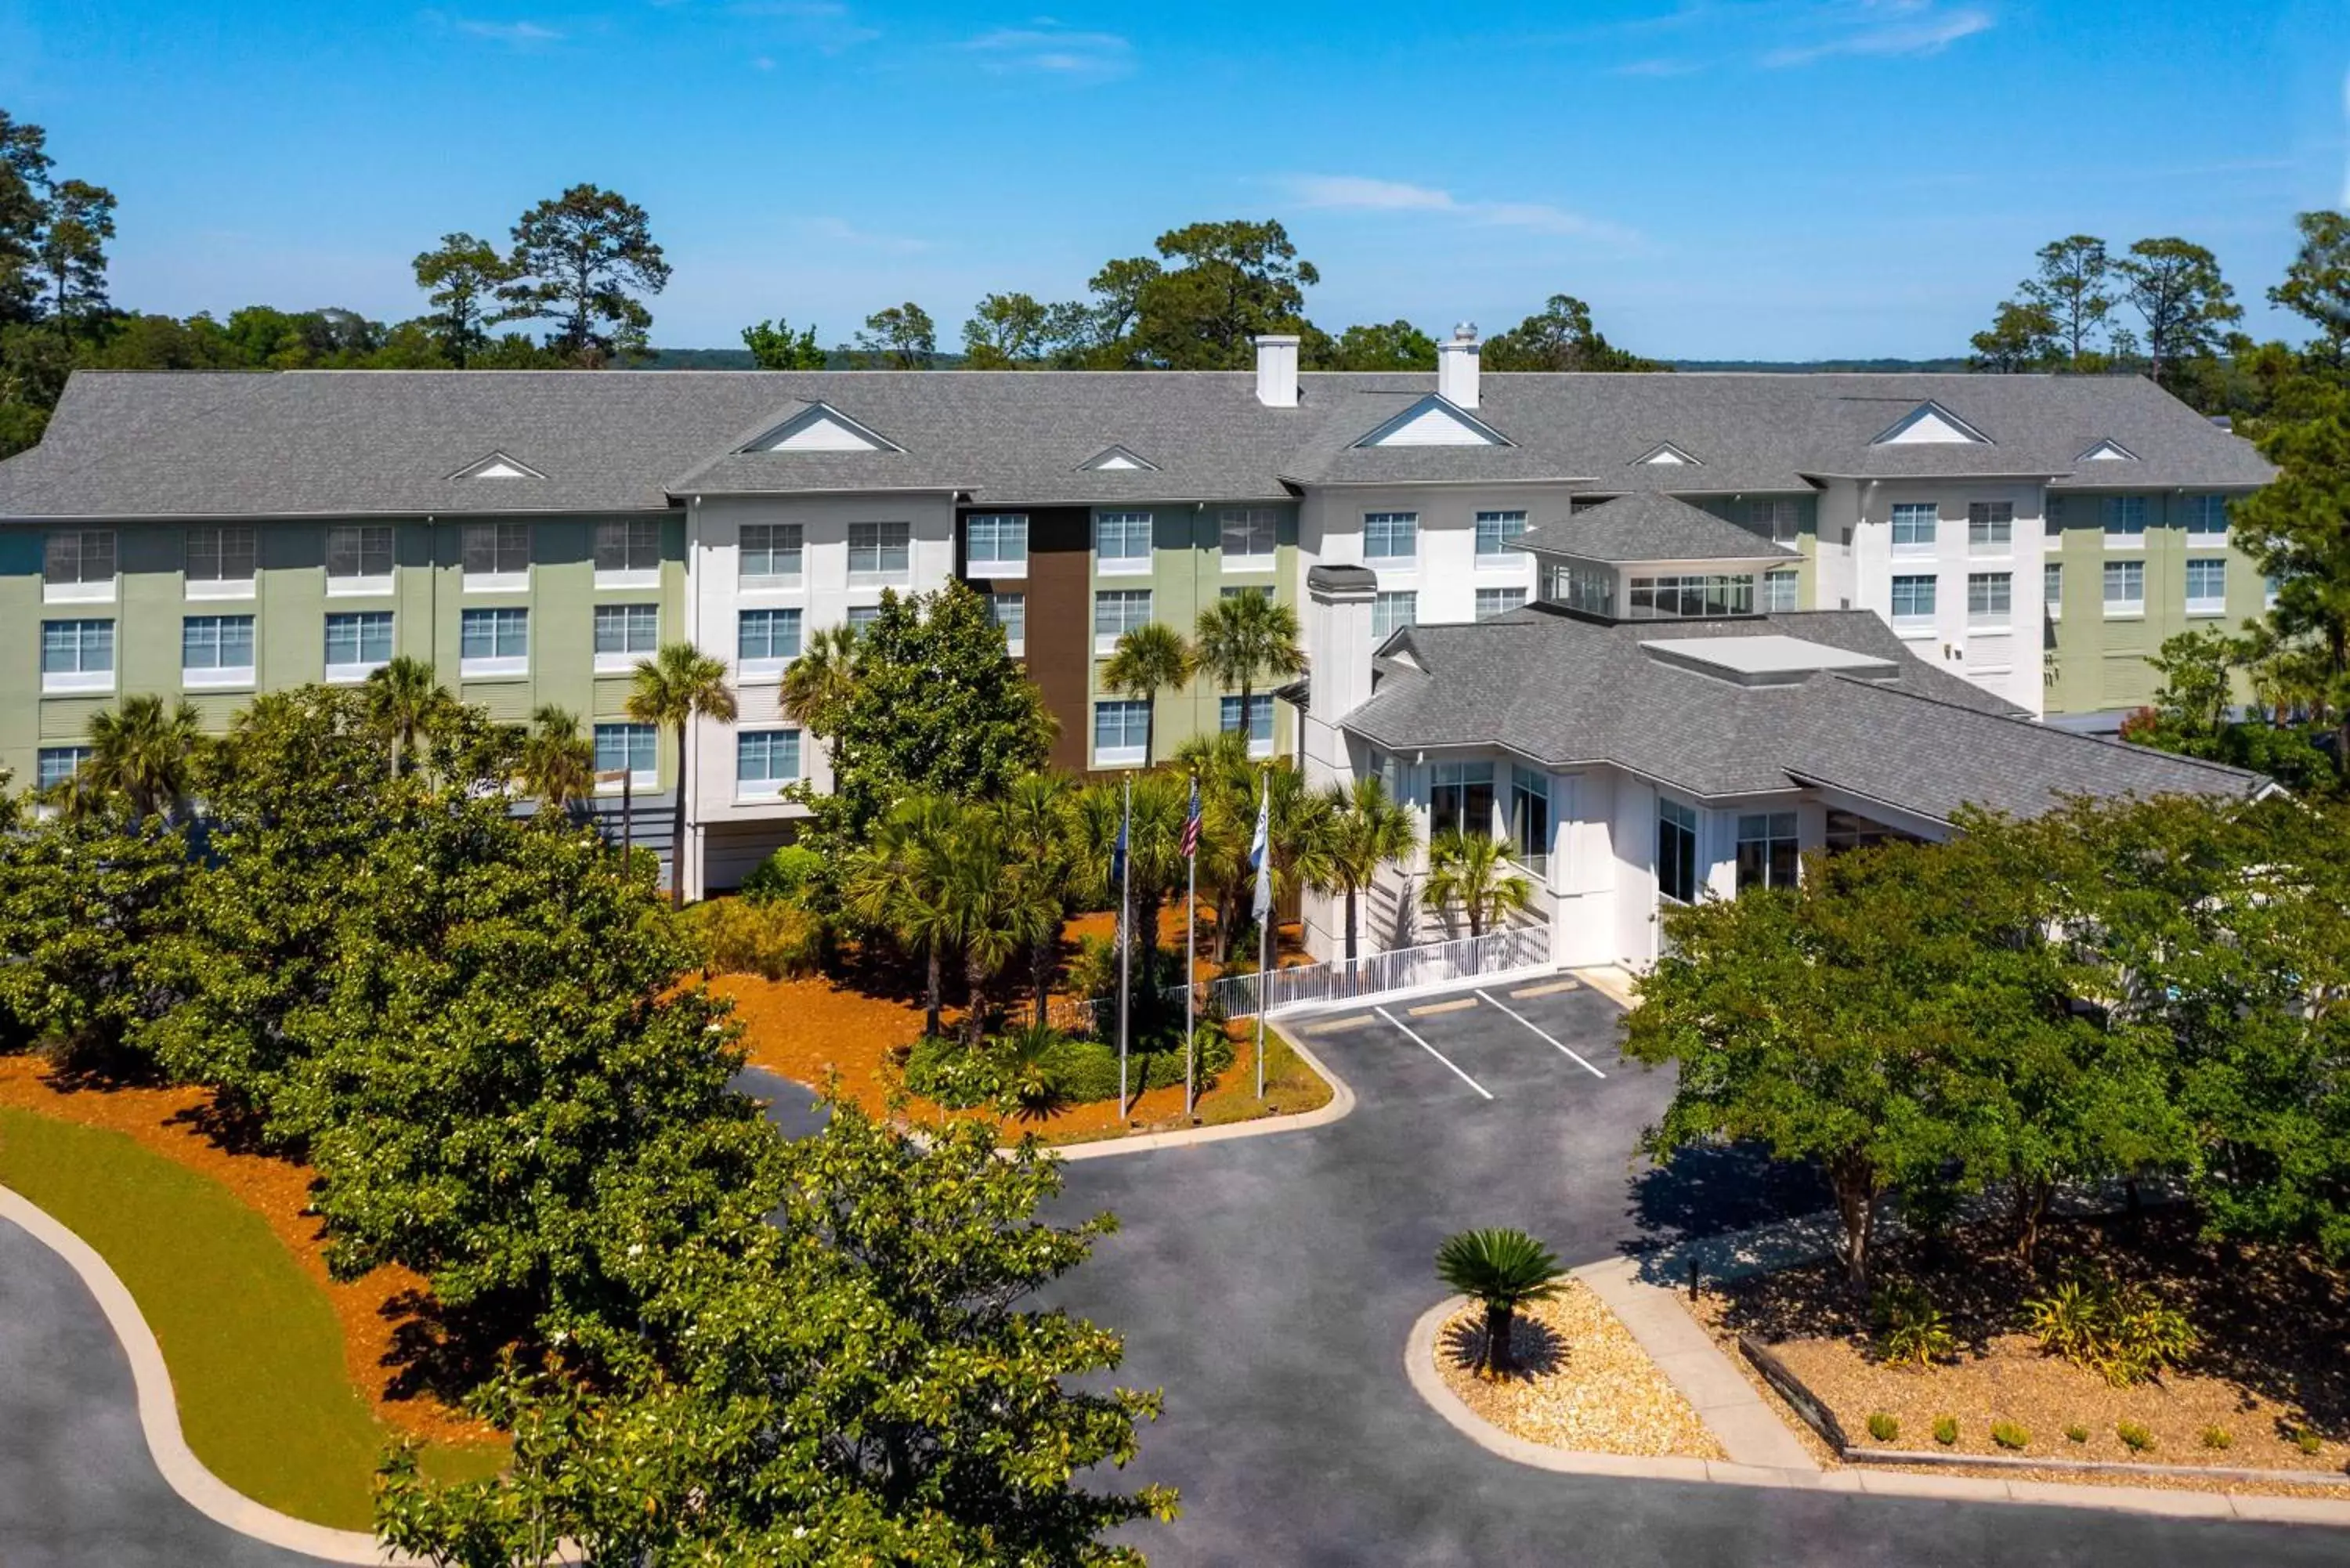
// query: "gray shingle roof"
[[1649, 528], [1568, 691], [167, 443]]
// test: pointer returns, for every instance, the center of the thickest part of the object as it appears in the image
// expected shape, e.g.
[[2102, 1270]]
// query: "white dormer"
[[497, 465], [820, 427], [1432, 421], [1667, 454], [2108, 451], [1117, 460], [1930, 424]]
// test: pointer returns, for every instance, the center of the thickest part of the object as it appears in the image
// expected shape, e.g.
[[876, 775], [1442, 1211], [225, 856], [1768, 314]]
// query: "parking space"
[[1478, 1044]]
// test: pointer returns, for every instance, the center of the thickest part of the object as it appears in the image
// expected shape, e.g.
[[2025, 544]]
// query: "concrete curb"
[[159, 1412], [1342, 1103]]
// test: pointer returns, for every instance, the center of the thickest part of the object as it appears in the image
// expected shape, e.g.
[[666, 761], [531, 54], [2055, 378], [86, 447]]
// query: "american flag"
[[1191, 822]]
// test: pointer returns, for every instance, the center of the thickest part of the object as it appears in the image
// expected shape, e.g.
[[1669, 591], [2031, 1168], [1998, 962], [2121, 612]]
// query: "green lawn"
[[256, 1355]]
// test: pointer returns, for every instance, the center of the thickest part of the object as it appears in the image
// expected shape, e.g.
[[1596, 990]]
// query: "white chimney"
[[1276, 371], [1456, 367]]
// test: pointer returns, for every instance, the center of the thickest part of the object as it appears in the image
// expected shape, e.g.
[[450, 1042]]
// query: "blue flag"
[[1260, 850]]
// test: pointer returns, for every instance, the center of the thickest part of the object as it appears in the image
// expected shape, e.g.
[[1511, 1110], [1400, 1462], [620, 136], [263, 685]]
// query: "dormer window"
[[1930, 424], [1432, 421], [1667, 455], [2109, 452], [821, 428], [497, 465], [1117, 460]]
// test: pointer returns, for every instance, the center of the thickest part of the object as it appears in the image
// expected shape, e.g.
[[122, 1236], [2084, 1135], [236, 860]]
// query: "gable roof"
[[1433, 421], [1649, 528], [1929, 423]]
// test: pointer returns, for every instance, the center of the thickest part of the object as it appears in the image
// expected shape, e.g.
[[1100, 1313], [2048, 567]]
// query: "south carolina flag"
[[1260, 848]]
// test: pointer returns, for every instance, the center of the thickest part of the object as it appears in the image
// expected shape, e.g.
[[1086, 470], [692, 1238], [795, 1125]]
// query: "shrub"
[[1946, 1430], [2217, 1438], [2307, 1441], [943, 1069], [2135, 1437], [1093, 972], [1883, 1426], [2009, 1436], [784, 877], [1910, 1329], [2076, 1433], [2125, 1334], [772, 941]]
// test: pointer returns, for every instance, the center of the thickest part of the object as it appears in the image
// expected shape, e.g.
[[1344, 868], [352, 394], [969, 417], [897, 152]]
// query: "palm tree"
[[1295, 823], [1149, 659], [1154, 850], [1501, 1271], [144, 752], [557, 764], [817, 684], [1365, 831], [898, 882], [1037, 816], [1470, 870], [677, 683], [992, 911], [405, 704], [1245, 638]]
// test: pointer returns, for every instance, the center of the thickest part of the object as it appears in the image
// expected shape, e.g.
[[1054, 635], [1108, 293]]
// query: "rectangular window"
[[862, 615], [2207, 588], [1261, 590], [216, 650], [2269, 591], [1530, 820], [2206, 519], [221, 562], [2125, 521], [2052, 580], [358, 645], [358, 558], [1670, 598], [1492, 602], [1766, 850], [493, 642], [497, 556], [2125, 587], [1392, 612], [630, 749], [1913, 527], [1781, 590], [78, 564], [1777, 521], [1581, 586], [627, 552], [1118, 611], [1260, 721], [1250, 535], [1391, 536], [1121, 733], [624, 633], [766, 639], [995, 544], [77, 655], [1676, 851], [1010, 611], [1122, 543], [1913, 600], [1990, 528], [1496, 530], [55, 764], [1989, 597], [1460, 798], [765, 761], [771, 553], [881, 552]]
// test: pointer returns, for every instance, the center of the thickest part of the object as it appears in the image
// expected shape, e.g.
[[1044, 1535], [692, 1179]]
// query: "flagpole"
[[1190, 938], [1265, 930], [1125, 936]]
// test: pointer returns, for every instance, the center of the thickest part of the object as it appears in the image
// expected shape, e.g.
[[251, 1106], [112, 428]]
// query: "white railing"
[[1400, 969]]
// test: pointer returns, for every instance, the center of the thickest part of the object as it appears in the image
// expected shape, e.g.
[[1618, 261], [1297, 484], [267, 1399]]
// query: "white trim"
[[618, 663], [352, 674], [99, 592], [820, 427], [220, 587], [57, 680], [494, 667], [629, 577], [1117, 757], [359, 587], [1433, 421], [219, 677], [497, 582], [497, 465], [1940, 425]]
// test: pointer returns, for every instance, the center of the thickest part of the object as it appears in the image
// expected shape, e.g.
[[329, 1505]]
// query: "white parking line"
[[1546, 1034], [1432, 1051]]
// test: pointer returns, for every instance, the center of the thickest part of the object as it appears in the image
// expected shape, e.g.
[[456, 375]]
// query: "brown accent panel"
[[1060, 644]]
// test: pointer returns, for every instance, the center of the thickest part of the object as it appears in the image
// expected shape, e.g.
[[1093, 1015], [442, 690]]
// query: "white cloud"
[[839, 230], [520, 35], [828, 25], [1880, 29], [1044, 47], [1357, 194]]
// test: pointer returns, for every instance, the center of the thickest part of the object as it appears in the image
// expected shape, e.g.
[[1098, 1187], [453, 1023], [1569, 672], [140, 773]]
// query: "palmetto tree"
[[1154, 853], [1296, 818], [898, 882], [146, 754], [817, 685], [991, 912], [677, 684], [1470, 870], [405, 703], [1501, 1271], [1365, 831], [1037, 816], [557, 764], [1245, 638], [1149, 659]]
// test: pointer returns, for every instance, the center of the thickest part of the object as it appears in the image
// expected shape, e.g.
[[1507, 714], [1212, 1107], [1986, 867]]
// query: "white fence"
[[1400, 969]]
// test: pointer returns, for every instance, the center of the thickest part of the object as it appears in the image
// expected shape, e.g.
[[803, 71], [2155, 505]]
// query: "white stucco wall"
[[2004, 657]]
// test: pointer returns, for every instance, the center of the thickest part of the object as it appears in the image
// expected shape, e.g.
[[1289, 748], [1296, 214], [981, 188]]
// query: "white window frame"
[[1390, 523], [1385, 608], [2208, 604], [1781, 583], [350, 674], [219, 537], [1123, 525], [1502, 557], [887, 549], [1130, 753], [785, 539], [619, 662], [2126, 609], [768, 666], [1259, 713], [72, 756], [2124, 510], [1990, 528], [506, 574], [1914, 619], [1002, 528], [2200, 511], [1779, 521], [1015, 628], [1106, 642], [2051, 588], [1491, 602], [1256, 526], [627, 552], [501, 662], [638, 778], [82, 677], [367, 542], [1907, 514], [1985, 587], [81, 589], [772, 787], [1770, 829], [857, 618], [217, 676]]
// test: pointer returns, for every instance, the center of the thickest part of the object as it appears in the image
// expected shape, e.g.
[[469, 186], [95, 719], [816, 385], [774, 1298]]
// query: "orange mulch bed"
[[373, 1309]]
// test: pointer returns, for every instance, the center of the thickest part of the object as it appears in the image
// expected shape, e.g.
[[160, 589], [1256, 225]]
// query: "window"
[[359, 559], [1010, 611], [1260, 721], [497, 556], [1460, 798], [1495, 532], [1118, 611], [862, 615], [77, 655], [1670, 598], [1530, 820], [1777, 521], [2052, 577], [1391, 613], [1990, 528], [1780, 591], [493, 642], [1250, 534], [766, 639], [357, 644], [1492, 602], [1766, 850], [630, 749], [1122, 542], [1913, 527], [1121, 733], [2125, 521], [624, 633], [2207, 588], [1989, 597], [2269, 591], [216, 650], [55, 764], [1391, 536], [881, 552], [996, 544], [1676, 851], [764, 761], [220, 563], [771, 553], [1580, 585], [77, 564], [1913, 600], [627, 552], [2206, 519], [1261, 590], [2125, 587]]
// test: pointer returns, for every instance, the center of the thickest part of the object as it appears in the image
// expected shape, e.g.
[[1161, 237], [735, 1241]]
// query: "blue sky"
[[1719, 178]]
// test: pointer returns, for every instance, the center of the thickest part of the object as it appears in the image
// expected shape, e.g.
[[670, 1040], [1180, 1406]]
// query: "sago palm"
[[1501, 1271], [1365, 831], [1149, 659], [405, 703], [677, 684], [818, 683], [1472, 871], [1245, 638], [144, 752], [557, 764]]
